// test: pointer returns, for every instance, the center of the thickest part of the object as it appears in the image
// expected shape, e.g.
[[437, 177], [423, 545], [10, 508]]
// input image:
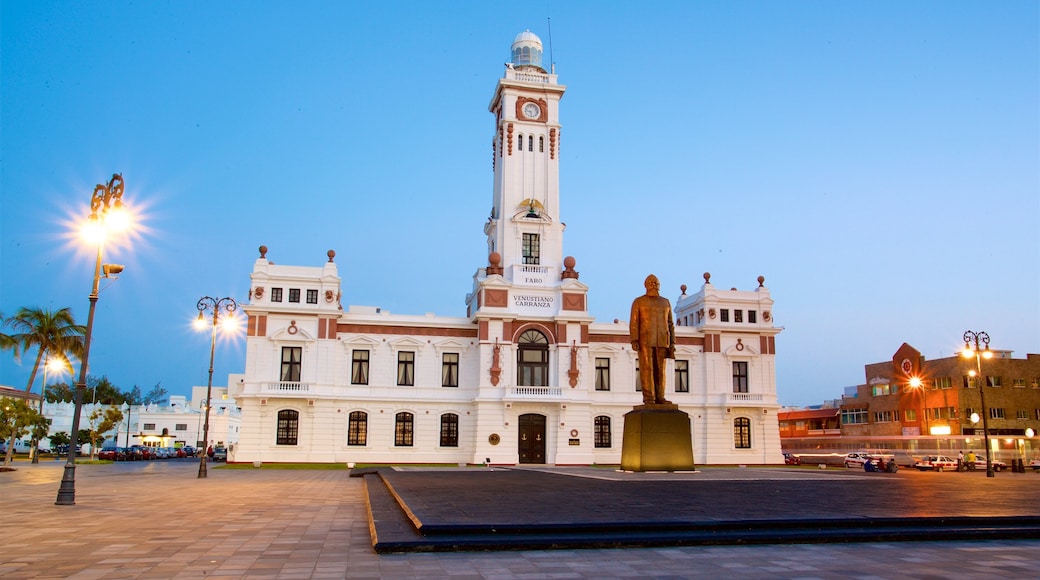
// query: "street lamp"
[[106, 214], [229, 306], [980, 340], [54, 365]]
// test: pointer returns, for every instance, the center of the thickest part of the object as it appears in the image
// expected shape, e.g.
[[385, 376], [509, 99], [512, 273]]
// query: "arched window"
[[288, 427], [530, 142], [403, 429], [541, 144], [449, 430], [532, 360], [520, 142], [742, 433], [601, 437], [357, 428]]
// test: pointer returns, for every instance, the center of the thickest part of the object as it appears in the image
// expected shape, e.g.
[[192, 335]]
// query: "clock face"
[[532, 111]]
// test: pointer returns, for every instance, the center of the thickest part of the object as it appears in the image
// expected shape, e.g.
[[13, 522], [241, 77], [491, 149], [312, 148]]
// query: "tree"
[[47, 331], [133, 396], [15, 418], [101, 390], [102, 421], [60, 439], [60, 393], [37, 431], [156, 395], [7, 342]]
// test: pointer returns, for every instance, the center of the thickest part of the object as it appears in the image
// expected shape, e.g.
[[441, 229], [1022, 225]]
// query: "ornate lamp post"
[[106, 212], [229, 306], [974, 343]]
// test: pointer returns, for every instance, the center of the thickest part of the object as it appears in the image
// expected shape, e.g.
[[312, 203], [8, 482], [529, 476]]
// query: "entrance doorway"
[[532, 438]]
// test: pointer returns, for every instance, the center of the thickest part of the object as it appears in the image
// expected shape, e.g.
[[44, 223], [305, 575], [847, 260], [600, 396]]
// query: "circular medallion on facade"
[[494, 439], [574, 432], [907, 366]]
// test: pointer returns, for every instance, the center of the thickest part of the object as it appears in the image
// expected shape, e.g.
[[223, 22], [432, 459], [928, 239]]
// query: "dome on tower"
[[527, 50]]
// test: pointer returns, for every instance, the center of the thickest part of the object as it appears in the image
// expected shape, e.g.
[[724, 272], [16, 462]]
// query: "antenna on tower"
[[552, 63]]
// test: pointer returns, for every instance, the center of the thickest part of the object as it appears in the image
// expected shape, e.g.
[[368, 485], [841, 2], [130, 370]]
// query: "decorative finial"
[[683, 288], [331, 254], [707, 277], [568, 264], [263, 252], [761, 281]]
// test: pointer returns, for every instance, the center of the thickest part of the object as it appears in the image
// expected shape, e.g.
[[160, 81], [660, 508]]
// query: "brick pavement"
[[157, 520]]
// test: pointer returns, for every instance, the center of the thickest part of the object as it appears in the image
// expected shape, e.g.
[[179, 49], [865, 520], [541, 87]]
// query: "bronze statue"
[[652, 333]]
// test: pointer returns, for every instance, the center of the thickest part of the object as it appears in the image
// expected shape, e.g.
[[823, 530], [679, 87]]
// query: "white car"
[[937, 463], [858, 458], [980, 464], [1035, 464]]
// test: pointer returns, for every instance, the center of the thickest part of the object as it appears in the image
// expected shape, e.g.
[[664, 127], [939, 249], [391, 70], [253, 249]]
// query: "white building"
[[526, 376]]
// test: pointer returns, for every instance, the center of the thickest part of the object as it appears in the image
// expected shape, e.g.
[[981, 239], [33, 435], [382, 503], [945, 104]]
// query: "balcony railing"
[[535, 392], [744, 397], [286, 387]]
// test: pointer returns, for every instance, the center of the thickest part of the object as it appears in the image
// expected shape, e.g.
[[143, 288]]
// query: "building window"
[[1019, 383], [357, 428], [602, 374], [450, 369], [853, 416], [944, 382], [294, 295], [531, 250], [403, 426], [682, 376], [970, 382], [520, 142], [449, 430], [1036, 414], [288, 427], [359, 367], [738, 316], [601, 436], [276, 294], [149, 427], [541, 144], [724, 315], [532, 360], [882, 416], [996, 412], [406, 368], [952, 412], [312, 297], [752, 317], [740, 377], [1022, 414], [530, 143], [181, 427], [968, 412], [291, 361], [742, 433], [994, 381], [911, 415]]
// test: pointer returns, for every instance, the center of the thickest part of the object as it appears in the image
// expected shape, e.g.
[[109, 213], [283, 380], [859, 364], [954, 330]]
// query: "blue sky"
[[876, 162]]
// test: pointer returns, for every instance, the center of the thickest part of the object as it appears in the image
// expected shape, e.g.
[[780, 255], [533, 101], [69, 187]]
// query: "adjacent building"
[[526, 375]]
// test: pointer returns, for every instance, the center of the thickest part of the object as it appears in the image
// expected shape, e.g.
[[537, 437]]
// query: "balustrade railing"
[[536, 392], [286, 387]]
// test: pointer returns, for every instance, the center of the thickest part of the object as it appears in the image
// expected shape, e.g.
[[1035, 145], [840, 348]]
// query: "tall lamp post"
[[976, 344], [228, 306], [106, 212]]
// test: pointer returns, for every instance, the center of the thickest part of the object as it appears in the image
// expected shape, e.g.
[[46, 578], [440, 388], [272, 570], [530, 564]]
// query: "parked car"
[[857, 459], [1035, 464], [980, 463], [189, 451], [108, 454], [220, 454], [143, 452], [791, 459], [936, 463]]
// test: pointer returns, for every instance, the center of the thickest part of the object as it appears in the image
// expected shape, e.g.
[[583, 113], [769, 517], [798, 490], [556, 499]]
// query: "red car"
[[108, 454]]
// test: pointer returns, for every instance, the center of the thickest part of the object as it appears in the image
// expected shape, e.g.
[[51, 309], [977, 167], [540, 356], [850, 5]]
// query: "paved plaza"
[[157, 520]]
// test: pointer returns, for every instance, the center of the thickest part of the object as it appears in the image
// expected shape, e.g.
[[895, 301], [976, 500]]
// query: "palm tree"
[[47, 331], [7, 342]]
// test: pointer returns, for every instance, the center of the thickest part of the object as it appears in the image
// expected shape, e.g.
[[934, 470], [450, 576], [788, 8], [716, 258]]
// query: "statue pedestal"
[[657, 438]]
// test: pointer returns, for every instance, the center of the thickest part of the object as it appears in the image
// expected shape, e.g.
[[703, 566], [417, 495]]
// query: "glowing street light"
[[55, 365], [107, 215], [981, 341], [228, 323]]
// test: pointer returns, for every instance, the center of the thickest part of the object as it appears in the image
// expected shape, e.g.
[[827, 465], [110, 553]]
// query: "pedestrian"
[[892, 467], [971, 460], [960, 461]]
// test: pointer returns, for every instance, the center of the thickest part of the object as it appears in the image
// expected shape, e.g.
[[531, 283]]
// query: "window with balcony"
[[682, 376], [449, 430], [292, 357], [740, 376], [532, 250], [288, 427], [406, 368], [532, 364], [357, 428], [403, 429], [742, 433], [450, 369], [359, 367], [601, 436], [602, 374]]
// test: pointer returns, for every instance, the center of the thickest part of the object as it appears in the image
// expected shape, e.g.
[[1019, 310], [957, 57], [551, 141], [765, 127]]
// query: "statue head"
[[653, 285]]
